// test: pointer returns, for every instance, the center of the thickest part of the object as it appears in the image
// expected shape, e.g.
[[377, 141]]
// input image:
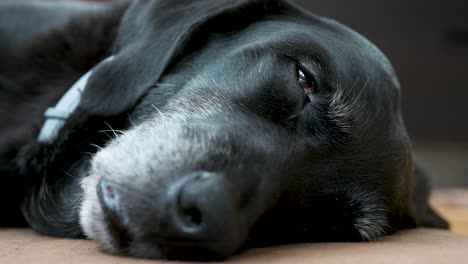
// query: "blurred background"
[[427, 43]]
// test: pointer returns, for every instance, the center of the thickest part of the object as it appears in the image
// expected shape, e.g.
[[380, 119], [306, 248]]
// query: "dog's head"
[[255, 123]]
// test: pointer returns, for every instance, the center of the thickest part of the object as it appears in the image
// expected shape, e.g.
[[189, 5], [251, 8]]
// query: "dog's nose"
[[202, 217], [204, 210]]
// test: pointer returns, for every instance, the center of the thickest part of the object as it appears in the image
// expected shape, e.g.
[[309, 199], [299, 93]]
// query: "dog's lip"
[[170, 240], [164, 247], [169, 243]]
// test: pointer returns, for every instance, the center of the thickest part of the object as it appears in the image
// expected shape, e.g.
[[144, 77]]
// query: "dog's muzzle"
[[201, 206], [192, 188]]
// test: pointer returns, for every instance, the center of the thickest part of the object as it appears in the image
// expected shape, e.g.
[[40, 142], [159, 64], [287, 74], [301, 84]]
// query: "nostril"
[[190, 213], [195, 216], [108, 191], [192, 201], [204, 213], [108, 196], [116, 220]]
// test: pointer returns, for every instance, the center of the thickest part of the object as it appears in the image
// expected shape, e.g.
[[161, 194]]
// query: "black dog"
[[212, 126]]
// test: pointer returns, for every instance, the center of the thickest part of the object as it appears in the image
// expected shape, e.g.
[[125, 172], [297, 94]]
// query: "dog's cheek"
[[91, 215]]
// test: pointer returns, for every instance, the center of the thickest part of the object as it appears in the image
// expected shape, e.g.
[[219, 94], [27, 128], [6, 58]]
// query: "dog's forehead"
[[327, 42], [349, 60]]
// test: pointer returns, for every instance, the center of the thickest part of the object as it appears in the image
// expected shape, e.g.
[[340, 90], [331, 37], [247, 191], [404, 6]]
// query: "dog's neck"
[[55, 117]]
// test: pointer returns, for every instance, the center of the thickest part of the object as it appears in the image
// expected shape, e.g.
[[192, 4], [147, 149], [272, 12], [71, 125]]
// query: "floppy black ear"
[[152, 36], [424, 214]]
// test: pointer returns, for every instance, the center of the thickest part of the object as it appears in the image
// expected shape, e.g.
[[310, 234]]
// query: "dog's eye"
[[307, 84]]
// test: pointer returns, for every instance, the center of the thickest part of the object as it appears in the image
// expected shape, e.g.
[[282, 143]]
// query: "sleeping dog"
[[194, 129]]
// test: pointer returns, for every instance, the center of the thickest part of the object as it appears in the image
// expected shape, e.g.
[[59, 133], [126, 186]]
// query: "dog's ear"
[[424, 214], [152, 36]]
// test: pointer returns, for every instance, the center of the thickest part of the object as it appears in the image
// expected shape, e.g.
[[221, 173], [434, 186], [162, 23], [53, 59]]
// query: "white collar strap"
[[56, 116]]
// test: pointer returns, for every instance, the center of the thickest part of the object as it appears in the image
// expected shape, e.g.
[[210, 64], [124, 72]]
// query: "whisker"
[[96, 146], [130, 120], [113, 131], [104, 131], [351, 89], [118, 131], [163, 116], [69, 174]]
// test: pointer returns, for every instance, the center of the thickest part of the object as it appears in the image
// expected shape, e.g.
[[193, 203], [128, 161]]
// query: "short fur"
[[207, 87]]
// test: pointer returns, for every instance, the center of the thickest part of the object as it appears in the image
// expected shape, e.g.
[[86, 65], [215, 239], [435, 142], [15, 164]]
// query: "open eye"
[[307, 83]]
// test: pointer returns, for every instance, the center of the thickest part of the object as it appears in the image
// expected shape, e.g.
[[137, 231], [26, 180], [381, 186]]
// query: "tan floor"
[[18, 246], [453, 205], [413, 246]]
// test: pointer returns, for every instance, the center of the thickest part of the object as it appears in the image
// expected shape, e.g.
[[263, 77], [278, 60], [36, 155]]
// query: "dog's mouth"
[[172, 248]]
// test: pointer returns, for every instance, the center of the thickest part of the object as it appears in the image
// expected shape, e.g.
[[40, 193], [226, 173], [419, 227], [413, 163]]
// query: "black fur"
[[346, 161], [34, 73]]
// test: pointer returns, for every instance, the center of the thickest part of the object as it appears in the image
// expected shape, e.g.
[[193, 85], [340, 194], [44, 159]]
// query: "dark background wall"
[[427, 42]]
